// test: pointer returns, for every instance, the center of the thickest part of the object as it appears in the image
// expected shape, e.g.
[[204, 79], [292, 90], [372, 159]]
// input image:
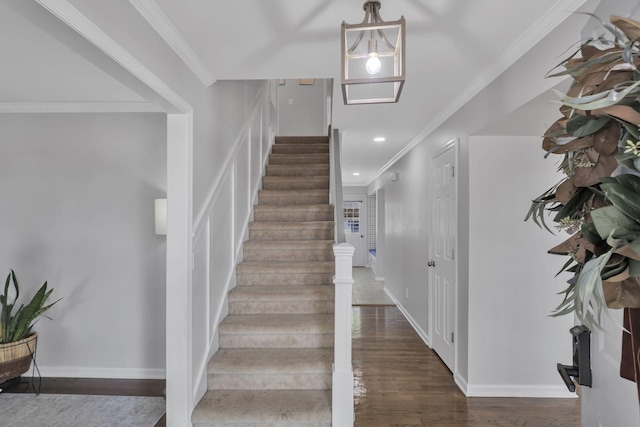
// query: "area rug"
[[67, 410]]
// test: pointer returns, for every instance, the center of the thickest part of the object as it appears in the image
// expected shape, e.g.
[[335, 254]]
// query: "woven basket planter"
[[15, 357]]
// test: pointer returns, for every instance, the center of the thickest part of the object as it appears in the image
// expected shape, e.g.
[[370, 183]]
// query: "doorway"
[[353, 212]]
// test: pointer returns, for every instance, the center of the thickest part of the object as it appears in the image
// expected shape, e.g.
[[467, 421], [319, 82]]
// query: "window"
[[352, 217]]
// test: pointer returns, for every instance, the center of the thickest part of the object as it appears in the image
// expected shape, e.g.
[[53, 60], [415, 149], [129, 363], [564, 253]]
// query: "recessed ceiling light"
[[356, 174], [380, 139]]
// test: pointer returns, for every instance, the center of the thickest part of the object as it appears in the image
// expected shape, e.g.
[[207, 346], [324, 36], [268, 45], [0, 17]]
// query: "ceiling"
[[453, 49]]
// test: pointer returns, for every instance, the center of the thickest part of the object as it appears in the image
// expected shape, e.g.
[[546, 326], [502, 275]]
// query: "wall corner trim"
[[159, 21]]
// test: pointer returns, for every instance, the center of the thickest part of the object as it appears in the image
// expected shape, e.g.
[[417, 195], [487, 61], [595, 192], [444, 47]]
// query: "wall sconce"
[[373, 72], [161, 216]]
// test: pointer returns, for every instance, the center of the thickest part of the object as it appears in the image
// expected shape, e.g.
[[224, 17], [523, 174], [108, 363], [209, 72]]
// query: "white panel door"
[[611, 401], [354, 228], [442, 264]]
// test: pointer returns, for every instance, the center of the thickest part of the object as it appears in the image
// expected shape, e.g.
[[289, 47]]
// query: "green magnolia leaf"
[[632, 129], [625, 200], [580, 126], [610, 221], [590, 233], [632, 182]]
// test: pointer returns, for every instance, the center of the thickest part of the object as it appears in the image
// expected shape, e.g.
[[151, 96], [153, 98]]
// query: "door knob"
[[431, 264]]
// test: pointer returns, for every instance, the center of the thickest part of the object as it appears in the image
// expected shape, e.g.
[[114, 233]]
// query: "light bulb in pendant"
[[373, 65]]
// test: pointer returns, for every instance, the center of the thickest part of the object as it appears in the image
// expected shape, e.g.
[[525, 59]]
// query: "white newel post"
[[342, 400]]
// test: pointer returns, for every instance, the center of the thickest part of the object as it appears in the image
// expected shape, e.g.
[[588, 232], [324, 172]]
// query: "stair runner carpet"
[[274, 364]]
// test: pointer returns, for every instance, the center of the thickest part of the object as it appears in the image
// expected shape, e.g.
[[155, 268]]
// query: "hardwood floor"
[[399, 381]]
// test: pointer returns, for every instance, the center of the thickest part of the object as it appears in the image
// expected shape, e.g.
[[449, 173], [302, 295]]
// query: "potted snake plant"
[[17, 339]]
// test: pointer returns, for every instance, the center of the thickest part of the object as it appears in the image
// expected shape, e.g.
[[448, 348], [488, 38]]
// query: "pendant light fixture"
[[373, 58]]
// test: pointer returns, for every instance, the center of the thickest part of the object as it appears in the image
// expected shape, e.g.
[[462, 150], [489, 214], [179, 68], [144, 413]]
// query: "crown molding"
[[536, 32], [78, 107], [68, 14], [152, 13]]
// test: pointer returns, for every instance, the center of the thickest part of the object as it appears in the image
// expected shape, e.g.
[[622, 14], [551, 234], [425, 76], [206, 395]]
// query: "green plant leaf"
[[613, 97], [574, 205], [580, 125], [629, 181], [610, 221], [625, 200], [589, 285], [590, 233]]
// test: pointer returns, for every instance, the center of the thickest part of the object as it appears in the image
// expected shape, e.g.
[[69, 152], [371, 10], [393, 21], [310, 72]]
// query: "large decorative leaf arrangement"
[[598, 200]]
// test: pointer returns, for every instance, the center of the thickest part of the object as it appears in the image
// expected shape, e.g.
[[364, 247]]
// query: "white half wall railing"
[[342, 398]]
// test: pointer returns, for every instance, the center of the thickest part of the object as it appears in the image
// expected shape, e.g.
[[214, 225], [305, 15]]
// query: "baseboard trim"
[[421, 333], [461, 382], [519, 391], [106, 373]]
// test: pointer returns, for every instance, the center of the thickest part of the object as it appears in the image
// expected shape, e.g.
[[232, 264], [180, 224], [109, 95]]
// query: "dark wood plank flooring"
[[399, 381]]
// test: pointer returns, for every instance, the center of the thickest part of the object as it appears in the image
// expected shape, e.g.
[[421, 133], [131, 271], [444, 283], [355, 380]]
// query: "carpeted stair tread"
[[259, 408], [299, 148], [281, 299], [277, 331], [288, 244], [298, 159], [295, 183], [293, 197], [302, 140], [271, 360], [293, 213], [271, 369], [294, 324], [302, 230], [288, 250], [298, 170], [281, 293], [286, 267]]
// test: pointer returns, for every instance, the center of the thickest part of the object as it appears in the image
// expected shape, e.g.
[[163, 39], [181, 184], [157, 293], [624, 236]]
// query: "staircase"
[[274, 366]]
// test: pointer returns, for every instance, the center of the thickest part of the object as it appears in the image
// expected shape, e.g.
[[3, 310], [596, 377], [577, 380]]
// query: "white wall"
[[78, 211], [513, 343], [222, 225], [302, 108]]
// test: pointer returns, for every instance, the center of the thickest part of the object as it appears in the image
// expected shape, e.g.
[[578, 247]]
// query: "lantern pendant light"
[[373, 58]]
